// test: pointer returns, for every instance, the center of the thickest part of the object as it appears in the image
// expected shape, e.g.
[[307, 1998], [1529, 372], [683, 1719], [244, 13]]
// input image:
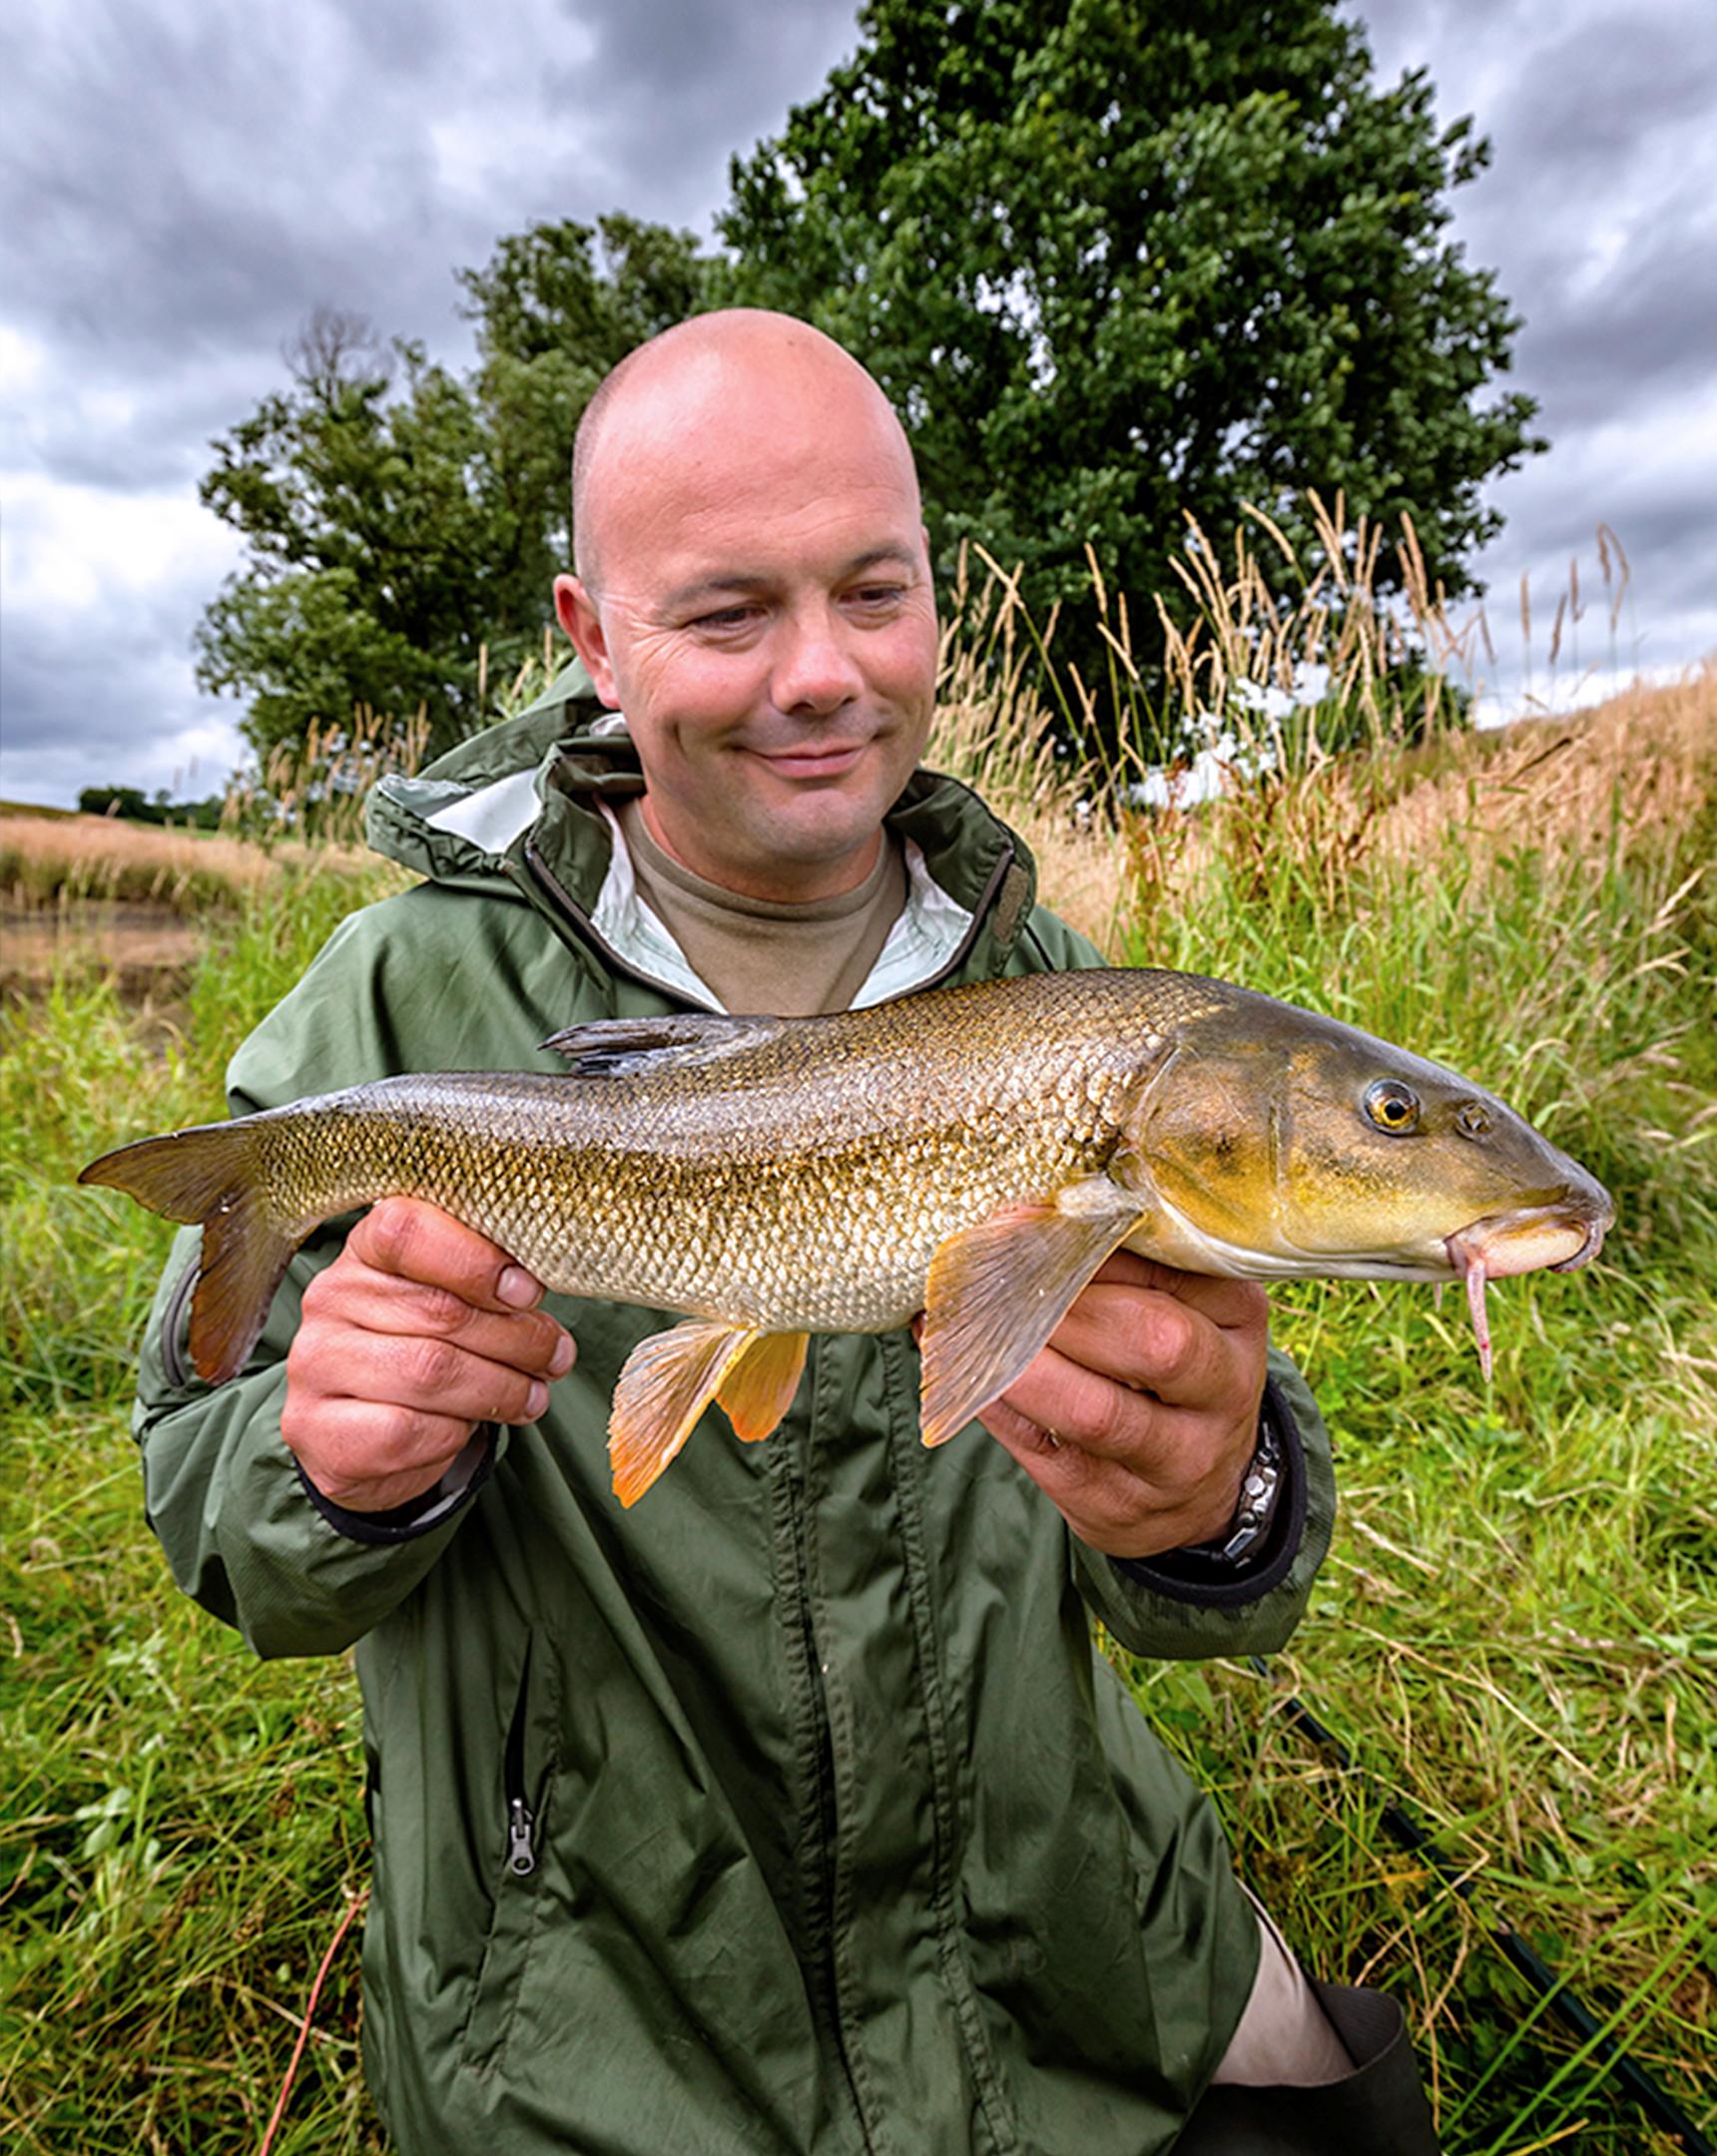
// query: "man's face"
[[764, 619]]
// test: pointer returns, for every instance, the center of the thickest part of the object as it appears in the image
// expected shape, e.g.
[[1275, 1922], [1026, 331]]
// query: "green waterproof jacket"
[[792, 1811]]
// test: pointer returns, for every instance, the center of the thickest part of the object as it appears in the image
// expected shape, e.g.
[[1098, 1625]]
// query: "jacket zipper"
[[521, 1819], [560, 901], [821, 1858]]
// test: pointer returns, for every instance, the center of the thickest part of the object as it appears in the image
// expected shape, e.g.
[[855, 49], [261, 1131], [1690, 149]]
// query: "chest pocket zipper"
[[513, 1917]]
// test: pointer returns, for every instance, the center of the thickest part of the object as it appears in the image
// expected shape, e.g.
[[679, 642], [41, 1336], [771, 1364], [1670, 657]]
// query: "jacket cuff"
[[467, 1473], [1205, 1578]]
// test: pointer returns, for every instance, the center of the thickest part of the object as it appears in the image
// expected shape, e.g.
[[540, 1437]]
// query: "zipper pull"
[[521, 1856]]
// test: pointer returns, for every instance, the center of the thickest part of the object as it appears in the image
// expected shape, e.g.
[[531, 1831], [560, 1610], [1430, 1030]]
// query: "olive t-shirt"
[[753, 954]]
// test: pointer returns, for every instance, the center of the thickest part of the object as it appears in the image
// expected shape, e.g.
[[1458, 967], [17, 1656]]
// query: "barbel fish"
[[972, 1153]]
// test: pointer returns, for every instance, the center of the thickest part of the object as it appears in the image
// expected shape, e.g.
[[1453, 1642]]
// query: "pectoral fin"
[[670, 1379], [997, 1291]]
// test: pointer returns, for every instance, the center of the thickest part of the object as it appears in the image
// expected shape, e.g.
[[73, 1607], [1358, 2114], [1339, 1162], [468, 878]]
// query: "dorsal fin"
[[623, 1047]]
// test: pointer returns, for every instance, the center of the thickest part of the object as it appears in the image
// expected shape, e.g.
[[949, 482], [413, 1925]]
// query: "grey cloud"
[[186, 180], [720, 53], [677, 87], [1649, 334], [163, 441], [1600, 213], [106, 696], [185, 170], [1594, 95], [206, 175], [1660, 512]]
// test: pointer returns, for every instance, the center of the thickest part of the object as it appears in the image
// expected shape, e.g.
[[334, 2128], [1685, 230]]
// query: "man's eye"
[[735, 616], [875, 598]]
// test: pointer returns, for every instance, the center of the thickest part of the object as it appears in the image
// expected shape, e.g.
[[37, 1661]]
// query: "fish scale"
[[973, 1153]]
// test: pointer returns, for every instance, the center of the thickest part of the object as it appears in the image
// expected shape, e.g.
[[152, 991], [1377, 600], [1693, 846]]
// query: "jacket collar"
[[523, 801]]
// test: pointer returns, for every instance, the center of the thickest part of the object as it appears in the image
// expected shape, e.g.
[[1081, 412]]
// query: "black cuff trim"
[[1206, 1581], [419, 1515]]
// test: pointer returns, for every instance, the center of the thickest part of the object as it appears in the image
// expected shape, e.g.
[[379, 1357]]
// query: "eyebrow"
[[742, 581]]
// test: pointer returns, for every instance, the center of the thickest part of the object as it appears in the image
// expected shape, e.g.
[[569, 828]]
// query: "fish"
[[969, 1153]]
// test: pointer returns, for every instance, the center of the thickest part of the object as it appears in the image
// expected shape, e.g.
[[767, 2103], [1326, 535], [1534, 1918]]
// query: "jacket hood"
[[455, 821]]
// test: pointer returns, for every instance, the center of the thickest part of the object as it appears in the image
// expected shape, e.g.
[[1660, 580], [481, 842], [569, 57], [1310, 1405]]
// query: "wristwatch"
[[1259, 1491]]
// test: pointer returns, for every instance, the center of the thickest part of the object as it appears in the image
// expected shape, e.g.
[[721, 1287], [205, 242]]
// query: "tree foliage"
[[1115, 260], [404, 524]]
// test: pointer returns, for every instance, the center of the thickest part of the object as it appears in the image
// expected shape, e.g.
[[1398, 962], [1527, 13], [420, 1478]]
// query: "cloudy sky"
[[186, 180]]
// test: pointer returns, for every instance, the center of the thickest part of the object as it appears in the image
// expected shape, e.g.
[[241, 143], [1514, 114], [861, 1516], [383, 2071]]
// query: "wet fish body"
[[974, 1153]]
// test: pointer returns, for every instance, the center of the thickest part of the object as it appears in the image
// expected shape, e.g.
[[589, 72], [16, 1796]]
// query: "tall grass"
[[180, 1827], [1516, 1625], [1513, 1632], [1514, 1629]]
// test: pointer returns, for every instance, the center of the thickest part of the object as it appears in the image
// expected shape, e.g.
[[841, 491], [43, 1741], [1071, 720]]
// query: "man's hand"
[[419, 1330], [1140, 1417]]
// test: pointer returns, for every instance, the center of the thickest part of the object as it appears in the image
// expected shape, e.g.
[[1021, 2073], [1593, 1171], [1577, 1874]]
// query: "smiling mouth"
[[814, 760]]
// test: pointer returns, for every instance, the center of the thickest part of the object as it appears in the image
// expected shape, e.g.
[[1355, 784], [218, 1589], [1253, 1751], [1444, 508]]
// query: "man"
[[790, 1810]]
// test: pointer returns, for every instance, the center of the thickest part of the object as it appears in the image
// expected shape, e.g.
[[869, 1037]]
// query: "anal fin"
[[997, 1291]]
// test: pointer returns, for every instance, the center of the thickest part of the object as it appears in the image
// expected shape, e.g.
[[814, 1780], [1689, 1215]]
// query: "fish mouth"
[[1537, 1238], [1552, 1237]]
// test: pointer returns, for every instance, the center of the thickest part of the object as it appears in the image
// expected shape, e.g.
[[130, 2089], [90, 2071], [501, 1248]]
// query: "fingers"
[[417, 1244], [1152, 1328], [419, 1330], [1142, 1337], [1139, 1418], [1146, 1478]]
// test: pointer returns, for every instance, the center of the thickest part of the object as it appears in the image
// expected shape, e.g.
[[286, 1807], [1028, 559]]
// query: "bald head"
[[755, 596], [719, 378]]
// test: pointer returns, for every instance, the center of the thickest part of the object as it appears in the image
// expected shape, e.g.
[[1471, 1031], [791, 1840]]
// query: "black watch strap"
[[1218, 1575]]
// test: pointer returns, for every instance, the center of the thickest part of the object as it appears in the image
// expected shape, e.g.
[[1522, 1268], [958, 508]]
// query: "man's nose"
[[816, 669]]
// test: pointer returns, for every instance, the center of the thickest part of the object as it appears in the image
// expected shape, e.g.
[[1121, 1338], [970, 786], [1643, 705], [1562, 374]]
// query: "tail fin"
[[210, 1176]]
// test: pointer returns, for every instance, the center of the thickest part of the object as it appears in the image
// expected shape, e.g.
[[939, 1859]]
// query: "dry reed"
[[316, 789], [46, 859], [993, 732]]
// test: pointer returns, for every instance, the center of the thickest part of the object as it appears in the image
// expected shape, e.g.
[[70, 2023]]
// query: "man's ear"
[[576, 612]]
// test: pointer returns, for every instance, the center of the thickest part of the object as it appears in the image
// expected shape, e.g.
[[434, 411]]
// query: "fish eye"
[[1392, 1106]]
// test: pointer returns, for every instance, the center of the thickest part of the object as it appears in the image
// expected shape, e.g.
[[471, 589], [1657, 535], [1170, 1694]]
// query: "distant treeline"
[[132, 807]]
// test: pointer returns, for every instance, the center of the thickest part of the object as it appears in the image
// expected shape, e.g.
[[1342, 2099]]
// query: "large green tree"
[[401, 519], [1116, 259]]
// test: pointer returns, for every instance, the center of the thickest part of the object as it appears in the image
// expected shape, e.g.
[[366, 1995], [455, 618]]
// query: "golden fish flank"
[[974, 1153]]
